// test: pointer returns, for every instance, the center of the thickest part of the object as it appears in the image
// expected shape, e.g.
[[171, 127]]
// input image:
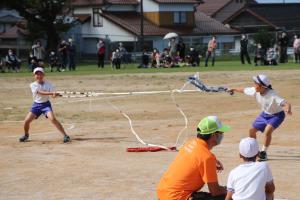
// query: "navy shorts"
[[41, 108], [264, 119]]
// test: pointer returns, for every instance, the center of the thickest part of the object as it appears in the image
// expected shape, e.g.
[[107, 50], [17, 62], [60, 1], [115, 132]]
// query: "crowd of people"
[[58, 59], [272, 55], [177, 55], [118, 56]]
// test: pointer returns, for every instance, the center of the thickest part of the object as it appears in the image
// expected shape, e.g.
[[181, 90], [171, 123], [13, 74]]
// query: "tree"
[[265, 38], [45, 18]]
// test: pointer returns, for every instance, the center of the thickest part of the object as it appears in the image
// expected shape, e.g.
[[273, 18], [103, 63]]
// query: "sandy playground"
[[96, 165]]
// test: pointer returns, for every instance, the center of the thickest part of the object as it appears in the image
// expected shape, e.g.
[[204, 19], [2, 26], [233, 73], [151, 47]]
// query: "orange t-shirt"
[[194, 166]]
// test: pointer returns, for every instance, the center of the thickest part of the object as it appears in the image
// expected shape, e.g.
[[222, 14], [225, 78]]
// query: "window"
[[179, 18], [97, 18]]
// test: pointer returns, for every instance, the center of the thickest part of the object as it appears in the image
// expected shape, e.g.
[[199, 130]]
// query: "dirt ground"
[[95, 165]]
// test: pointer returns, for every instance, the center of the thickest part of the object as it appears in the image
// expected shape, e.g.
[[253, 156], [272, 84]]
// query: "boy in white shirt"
[[41, 90], [250, 180], [273, 110]]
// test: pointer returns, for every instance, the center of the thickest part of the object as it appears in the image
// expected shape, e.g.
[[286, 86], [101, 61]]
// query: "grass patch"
[[91, 69]]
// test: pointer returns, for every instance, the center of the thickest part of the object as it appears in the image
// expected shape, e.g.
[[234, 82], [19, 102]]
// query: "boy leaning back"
[[273, 112], [41, 90]]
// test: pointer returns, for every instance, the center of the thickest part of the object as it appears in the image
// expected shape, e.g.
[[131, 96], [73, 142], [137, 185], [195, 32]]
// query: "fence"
[[86, 44]]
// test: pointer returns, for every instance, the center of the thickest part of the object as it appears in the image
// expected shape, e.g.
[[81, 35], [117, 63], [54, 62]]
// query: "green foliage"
[[45, 18], [92, 69], [265, 38]]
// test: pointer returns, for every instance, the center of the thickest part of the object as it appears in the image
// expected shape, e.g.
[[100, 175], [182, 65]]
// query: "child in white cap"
[[41, 90], [250, 180], [273, 109]]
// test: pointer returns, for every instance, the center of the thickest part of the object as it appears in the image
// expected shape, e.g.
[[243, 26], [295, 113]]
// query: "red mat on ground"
[[149, 149]]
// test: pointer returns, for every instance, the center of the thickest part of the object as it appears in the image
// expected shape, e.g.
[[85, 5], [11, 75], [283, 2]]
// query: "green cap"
[[211, 124]]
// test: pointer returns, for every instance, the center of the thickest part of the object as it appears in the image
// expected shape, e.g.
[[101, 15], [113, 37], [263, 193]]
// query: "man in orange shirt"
[[195, 166]]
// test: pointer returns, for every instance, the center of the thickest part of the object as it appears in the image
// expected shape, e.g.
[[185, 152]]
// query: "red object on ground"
[[149, 149]]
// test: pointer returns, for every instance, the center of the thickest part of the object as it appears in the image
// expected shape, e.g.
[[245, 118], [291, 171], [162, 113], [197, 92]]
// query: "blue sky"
[[278, 1]]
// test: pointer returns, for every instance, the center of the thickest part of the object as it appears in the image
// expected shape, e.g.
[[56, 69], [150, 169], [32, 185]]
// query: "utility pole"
[[142, 26]]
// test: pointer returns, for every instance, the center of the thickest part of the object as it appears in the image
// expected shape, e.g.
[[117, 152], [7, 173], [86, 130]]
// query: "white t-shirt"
[[270, 102], [35, 87], [248, 181]]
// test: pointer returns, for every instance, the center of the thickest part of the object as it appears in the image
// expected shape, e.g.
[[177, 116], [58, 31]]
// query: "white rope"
[[132, 129], [181, 112], [70, 94], [174, 101]]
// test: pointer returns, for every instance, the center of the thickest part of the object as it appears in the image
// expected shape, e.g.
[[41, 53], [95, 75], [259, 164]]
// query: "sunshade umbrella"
[[170, 35]]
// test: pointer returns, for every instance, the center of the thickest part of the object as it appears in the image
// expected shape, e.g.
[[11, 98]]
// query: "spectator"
[[145, 60], [244, 49], [193, 58], [38, 50], [172, 48], [164, 55], [62, 53], [2, 66], [112, 58], [259, 55], [40, 64], [12, 61], [168, 62], [181, 49], [283, 44], [272, 56], [117, 56], [296, 47], [251, 179], [155, 56], [211, 51], [32, 62], [123, 53], [101, 53], [195, 165], [54, 61], [71, 50]]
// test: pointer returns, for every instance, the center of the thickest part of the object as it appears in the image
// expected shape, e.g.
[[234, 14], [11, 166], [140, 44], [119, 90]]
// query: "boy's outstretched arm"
[[287, 108], [233, 90], [54, 94]]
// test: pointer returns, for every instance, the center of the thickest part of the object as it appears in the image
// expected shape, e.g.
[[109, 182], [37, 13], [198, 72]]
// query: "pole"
[[142, 26]]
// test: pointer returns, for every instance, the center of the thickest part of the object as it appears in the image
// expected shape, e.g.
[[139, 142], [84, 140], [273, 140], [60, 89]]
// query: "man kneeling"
[[195, 166], [251, 179]]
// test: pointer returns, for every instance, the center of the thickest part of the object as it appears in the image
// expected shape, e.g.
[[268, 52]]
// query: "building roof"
[[208, 25], [86, 2], [277, 16], [9, 16], [130, 21], [214, 7], [179, 1], [282, 15], [129, 2], [210, 7], [82, 17], [101, 2], [123, 2], [13, 33]]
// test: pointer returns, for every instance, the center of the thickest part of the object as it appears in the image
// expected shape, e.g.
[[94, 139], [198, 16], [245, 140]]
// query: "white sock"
[[264, 148]]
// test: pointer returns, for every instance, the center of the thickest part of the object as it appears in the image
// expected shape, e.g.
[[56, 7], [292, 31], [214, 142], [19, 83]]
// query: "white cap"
[[262, 79], [248, 147], [38, 69]]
